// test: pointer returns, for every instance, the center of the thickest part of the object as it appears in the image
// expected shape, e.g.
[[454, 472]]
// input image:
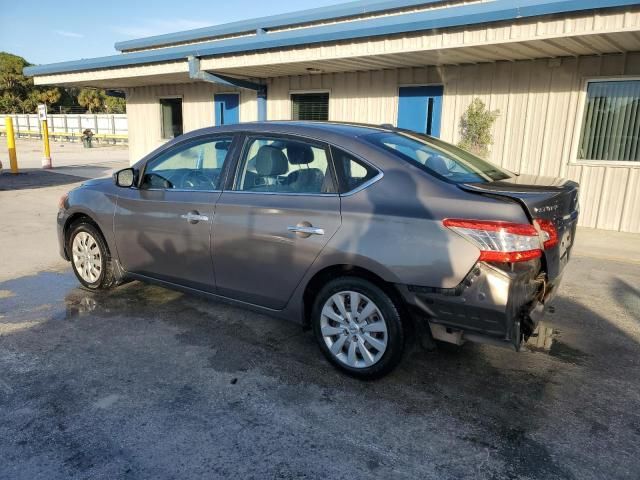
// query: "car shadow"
[[34, 178]]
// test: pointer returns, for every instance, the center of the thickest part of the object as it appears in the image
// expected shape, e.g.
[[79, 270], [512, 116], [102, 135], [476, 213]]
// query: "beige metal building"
[[564, 74]]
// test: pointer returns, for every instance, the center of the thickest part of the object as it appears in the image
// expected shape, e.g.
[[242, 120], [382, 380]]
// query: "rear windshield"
[[438, 158]]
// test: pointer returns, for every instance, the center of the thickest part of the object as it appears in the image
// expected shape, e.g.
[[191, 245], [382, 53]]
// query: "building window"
[[171, 111], [611, 122], [310, 106]]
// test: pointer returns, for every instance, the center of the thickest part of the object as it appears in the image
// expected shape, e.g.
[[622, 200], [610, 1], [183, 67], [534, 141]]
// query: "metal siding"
[[614, 189], [499, 100], [534, 133], [557, 123], [591, 182], [143, 111], [514, 125], [630, 221]]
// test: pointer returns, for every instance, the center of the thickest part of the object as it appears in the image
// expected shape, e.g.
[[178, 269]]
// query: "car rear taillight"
[[499, 241], [548, 232]]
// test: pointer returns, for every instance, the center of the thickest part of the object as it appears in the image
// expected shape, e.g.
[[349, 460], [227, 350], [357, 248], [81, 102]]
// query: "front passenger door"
[[163, 227], [271, 225]]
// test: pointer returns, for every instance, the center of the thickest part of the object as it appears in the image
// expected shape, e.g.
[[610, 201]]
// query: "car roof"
[[329, 131]]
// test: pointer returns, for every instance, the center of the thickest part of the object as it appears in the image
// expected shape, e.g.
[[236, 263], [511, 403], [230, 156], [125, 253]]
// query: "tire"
[[364, 348], [90, 257]]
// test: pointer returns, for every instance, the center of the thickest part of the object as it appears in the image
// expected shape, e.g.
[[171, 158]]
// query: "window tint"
[[171, 111], [310, 106], [285, 166], [610, 125], [352, 173], [194, 166], [438, 158]]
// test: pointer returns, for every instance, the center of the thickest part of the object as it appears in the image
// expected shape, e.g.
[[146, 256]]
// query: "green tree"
[[11, 78], [50, 96], [14, 86], [475, 128], [17, 92], [91, 99], [115, 105], [19, 95], [30, 103], [9, 103]]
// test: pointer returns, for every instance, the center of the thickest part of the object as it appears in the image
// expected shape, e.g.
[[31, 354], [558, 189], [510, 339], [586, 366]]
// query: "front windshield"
[[438, 158]]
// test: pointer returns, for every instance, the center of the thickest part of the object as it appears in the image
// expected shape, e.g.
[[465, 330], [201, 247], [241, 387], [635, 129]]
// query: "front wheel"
[[358, 327], [90, 258]]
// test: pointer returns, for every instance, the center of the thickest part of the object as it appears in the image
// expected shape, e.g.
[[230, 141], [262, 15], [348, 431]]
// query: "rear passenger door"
[[274, 218]]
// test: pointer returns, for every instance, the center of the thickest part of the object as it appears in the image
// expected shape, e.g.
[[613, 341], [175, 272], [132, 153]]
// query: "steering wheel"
[[198, 180]]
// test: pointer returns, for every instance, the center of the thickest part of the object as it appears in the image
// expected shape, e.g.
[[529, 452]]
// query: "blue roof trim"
[[396, 24], [274, 21]]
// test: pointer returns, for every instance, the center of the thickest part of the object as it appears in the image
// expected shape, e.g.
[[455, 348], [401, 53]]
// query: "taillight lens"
[[499, 241], [548, 232]]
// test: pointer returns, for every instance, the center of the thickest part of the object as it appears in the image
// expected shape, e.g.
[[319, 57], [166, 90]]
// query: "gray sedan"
[[366, 235]]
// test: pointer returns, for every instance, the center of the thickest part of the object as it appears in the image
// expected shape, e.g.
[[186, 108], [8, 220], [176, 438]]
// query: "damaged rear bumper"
[[495, 304]]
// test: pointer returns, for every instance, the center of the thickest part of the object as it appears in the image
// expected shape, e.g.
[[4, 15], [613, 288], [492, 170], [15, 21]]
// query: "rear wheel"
[[358, 327], [90, 258]]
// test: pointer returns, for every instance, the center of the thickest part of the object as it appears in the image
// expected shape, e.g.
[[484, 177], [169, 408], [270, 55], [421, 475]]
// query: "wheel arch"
[[321, 277], [78, 217]]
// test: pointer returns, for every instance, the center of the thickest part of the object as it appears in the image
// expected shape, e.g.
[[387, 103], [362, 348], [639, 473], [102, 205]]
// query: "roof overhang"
[[583, 32], [257, 26]]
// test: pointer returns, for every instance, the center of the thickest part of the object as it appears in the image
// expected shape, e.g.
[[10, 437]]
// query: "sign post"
[[42, 116]]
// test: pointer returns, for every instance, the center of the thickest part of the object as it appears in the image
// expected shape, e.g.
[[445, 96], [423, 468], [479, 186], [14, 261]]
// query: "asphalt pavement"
[[145, 382]]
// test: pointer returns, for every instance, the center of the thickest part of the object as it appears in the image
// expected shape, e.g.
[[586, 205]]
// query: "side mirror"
[[125, 178]]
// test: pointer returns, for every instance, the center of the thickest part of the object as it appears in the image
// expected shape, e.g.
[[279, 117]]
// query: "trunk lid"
[[548, 198]]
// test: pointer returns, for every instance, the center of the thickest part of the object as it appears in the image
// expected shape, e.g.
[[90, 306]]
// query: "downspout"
[[261, 90]]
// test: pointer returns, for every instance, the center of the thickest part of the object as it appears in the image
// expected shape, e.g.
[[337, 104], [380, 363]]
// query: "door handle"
[[305, 230], [194, 217]]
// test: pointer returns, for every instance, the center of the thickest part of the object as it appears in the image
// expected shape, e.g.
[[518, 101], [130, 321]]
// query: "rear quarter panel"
[[394, 227]]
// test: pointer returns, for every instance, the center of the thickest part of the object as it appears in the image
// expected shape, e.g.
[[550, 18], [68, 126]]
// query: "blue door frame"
[[420, 109], [226, 108]]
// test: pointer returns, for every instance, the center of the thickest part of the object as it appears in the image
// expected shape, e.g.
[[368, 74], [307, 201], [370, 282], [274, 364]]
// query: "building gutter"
[[499, 10]]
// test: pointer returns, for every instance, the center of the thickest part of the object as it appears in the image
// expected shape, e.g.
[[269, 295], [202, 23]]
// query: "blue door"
[[420, 109], [226, 108]]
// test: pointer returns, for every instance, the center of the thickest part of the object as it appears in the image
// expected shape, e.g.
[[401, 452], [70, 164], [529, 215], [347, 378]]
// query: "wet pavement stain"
[[143, 381]]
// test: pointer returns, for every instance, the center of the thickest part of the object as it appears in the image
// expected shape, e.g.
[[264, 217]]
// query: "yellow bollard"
[[11, 144], [46, 160]]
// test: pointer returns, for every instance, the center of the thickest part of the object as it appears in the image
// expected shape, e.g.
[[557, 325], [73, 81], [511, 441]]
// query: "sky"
[[47, 31]]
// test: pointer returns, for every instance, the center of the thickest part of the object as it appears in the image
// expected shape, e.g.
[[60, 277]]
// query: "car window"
[[193, 166], [352, 172], [438, 158], [284, 166]]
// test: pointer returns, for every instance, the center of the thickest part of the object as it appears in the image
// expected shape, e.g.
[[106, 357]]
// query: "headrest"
[[270, 161], [299, 153], [438, 165]]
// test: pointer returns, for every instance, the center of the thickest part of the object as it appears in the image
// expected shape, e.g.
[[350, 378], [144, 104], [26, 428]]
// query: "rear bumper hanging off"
[[500, 305]]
